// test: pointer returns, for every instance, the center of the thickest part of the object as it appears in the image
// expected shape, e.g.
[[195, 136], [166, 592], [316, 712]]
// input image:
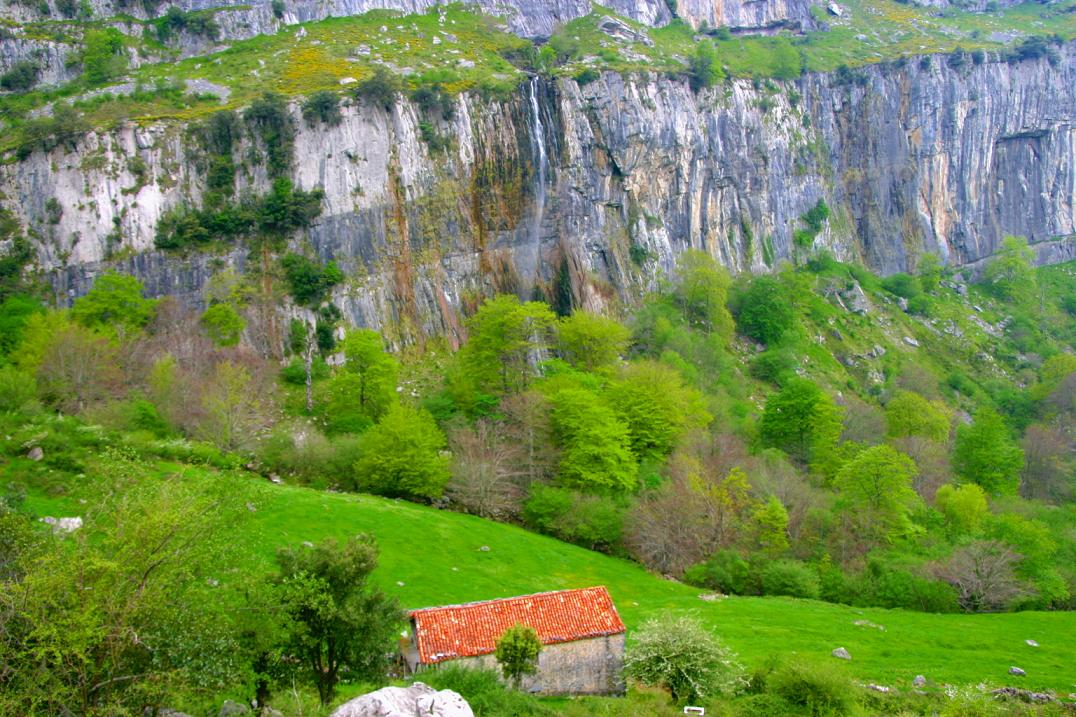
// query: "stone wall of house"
[[582, 667]]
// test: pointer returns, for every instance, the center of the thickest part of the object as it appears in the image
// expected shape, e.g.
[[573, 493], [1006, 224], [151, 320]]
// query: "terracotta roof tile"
[[445, 633]]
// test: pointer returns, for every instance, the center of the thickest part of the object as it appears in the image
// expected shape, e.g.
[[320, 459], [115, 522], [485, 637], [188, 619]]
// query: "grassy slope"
[[436, 555]]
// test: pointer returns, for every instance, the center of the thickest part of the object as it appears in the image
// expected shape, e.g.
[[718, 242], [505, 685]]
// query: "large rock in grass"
[[418, 699]]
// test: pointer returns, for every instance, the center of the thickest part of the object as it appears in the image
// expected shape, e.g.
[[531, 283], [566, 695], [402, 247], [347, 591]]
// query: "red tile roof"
[[445, 633]]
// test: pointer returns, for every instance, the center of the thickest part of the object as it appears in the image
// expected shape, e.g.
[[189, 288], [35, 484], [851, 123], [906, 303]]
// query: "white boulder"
[[418, 699]]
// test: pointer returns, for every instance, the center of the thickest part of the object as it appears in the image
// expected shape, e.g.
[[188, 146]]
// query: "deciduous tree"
[[403, 456], [682, 656], [986, 454], [517, 653]]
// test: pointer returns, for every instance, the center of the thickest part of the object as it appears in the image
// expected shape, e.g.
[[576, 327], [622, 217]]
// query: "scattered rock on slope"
[[841, 654]]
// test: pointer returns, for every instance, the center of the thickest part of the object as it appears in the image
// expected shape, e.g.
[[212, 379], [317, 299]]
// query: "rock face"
[[418, 699], [746, 14], [604, 184]]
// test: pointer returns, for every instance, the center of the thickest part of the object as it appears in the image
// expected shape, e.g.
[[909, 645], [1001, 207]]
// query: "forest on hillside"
[[818, 433]]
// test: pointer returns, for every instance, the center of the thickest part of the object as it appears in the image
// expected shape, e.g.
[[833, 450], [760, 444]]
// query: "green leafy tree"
[[375, 369], [341, 627], [909, 414], [116, 302], [876, 490], [517, 653], [965, 507], [589, 342], [234, 411], [802, 421], [702, 291], [596, 445], [1011, 273], [380, 88], [930, 272], [77, 368], [986, 454], [681, 655], [103, 55], [766, 313], [308, 281], [651, 398], [322, 106], [223, 324], [404, 456], [770, 522], [506, 336], [704, 67]]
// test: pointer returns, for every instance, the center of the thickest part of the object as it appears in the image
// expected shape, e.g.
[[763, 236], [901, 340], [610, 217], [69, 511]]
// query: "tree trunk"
[[311, 341]]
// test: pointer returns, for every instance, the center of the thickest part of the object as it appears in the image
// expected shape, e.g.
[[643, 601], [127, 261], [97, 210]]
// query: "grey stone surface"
[[417, 699], [920, 158], [841, 654]]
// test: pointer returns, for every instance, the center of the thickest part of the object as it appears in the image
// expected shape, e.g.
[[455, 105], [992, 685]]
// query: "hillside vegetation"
[[823, 453]]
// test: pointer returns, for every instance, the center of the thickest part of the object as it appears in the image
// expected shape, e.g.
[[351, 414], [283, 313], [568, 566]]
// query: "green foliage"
[[596, 444], [681, 655], [103, 56], [815, 688], [775, 365], [909, 414], [63, 129], [380, 88], [324, 107], [725, 571], [765, 310], [340, 626], [17, 389], [814, 219], [175, 21], [985, 453], [137, 567], [485, 692], [791, 578], [1010, 274], [517, 653], [904, 285], [658, 409], [115, 302], [269, 119], [964, 507], [876, 489], [223, 324], [594, 522], [801, 420], [704, 68], [366, 387], [403, 456], [702, 292], [930, 272], [770, 522], [22, 76], [504, 336], [434, 100], [15, 311], [283, 210], [589, 341], [309, 282]]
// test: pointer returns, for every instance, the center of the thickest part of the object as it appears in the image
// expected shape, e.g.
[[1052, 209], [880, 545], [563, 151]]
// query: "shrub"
[[765, 310], [433, 99], [278, 9], [592, 521], [703, 67], [791, 578], [380, 88], [63, 129], [485, 692], [683, 656], [774, 366], [103, 55], [309, 282], [323, 106], [763, 705], [517, 653], [725, 571], [904, 285], [403, 456], [21, 77], [816, 689], [269, 118], [223, 324]]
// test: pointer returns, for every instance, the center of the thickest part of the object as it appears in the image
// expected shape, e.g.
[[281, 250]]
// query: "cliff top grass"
[[434, 557]]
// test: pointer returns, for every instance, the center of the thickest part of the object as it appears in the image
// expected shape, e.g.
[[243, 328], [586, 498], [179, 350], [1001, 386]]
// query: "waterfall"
[[541, 158]]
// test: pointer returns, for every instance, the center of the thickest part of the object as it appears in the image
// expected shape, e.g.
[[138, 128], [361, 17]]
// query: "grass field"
[[431, 557]]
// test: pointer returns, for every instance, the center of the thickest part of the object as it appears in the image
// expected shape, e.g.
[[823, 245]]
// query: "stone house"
[[581, 632]]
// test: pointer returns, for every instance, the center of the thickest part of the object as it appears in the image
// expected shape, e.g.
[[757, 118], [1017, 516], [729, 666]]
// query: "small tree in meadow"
[[517, 653], [681, 655]]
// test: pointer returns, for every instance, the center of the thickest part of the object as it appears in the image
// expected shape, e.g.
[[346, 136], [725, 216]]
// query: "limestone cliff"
[[603, 184]]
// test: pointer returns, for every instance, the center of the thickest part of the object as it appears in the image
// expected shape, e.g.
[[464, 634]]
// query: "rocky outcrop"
[[51, 58], [417, 699], [747, 14], [603, 184]]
